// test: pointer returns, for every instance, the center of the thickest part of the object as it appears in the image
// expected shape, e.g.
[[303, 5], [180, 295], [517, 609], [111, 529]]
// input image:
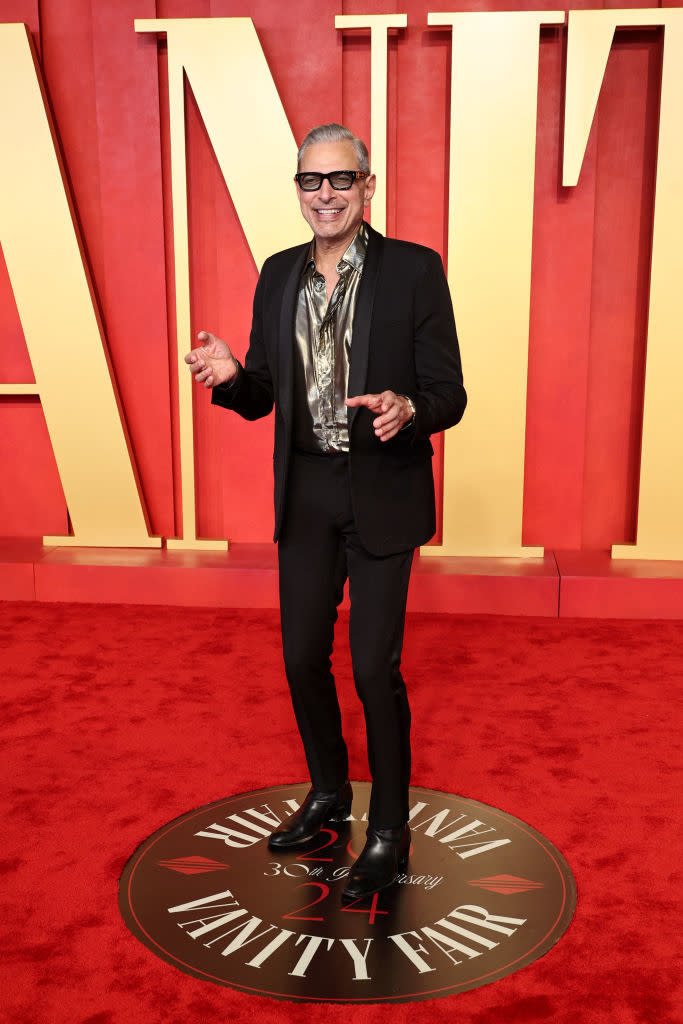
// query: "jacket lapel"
[[358, 369]]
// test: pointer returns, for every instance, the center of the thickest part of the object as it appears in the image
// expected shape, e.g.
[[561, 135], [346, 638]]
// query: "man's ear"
[[370, 186]]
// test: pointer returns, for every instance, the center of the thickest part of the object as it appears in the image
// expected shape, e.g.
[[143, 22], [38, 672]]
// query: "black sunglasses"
[[311, 181]]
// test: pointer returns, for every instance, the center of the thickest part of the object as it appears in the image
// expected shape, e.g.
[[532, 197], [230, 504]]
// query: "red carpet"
[[117, 719]]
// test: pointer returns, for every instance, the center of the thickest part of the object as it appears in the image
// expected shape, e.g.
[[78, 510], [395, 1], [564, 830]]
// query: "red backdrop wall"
[[107, 87]]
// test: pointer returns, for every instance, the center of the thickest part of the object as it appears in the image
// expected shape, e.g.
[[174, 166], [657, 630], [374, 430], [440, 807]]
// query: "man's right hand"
[[213, 363]]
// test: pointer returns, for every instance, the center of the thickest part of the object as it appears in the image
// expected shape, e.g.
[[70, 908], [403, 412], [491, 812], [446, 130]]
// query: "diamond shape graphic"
[[193, 865], [507, 884]]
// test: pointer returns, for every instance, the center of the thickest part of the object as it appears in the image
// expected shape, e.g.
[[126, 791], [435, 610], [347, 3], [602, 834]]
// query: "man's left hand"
[[394, 411]]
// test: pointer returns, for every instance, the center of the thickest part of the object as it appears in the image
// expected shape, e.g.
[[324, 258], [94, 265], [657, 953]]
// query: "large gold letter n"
[[240, 107]]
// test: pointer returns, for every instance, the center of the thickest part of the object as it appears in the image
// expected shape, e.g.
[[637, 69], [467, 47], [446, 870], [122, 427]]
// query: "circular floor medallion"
[[483, 895]]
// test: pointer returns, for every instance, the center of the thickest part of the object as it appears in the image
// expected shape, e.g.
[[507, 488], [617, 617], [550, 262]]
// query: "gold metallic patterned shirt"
[[323, 351]]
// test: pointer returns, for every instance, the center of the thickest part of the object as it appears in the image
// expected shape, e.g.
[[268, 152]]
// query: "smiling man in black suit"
[[354, 342]]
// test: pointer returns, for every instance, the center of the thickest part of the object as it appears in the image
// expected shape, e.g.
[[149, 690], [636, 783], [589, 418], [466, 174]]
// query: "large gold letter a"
[[51, 289]]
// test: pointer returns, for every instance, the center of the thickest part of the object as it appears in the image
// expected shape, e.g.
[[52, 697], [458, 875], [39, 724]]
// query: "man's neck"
[[327, 254]]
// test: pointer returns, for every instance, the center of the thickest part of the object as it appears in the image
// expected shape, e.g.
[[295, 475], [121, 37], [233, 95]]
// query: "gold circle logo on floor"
[[483, 895]]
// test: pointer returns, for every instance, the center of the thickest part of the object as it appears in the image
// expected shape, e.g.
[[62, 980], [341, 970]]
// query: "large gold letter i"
[[494, 85]]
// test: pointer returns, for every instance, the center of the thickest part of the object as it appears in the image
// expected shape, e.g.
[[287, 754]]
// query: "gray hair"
[[336, 133]]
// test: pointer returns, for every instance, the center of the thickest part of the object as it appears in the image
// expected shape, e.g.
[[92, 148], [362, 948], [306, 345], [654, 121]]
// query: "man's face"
[[334, 215]]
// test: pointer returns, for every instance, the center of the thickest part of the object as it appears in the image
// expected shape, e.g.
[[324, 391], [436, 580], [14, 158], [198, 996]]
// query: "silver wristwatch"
[[411, 403]]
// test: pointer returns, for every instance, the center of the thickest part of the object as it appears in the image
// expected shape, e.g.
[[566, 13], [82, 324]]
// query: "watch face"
[[483, 895]]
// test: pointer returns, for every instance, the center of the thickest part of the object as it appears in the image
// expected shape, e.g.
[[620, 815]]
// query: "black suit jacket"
[[404, 340]]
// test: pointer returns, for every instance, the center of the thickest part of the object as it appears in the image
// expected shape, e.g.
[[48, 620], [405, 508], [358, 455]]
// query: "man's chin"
[[334, 230]]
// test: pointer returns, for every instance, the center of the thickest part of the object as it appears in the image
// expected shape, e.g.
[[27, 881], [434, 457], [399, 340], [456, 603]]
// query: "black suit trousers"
[[318, 549]]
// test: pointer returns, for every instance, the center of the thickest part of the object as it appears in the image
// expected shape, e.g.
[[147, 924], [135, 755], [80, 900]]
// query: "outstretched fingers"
[[390, 408], [372, 402]]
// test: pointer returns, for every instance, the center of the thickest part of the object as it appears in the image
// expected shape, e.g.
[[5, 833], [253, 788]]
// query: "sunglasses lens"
[[341, 179], [310, 182]]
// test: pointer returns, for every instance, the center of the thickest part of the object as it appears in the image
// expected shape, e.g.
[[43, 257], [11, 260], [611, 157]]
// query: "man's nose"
[[326, 192]]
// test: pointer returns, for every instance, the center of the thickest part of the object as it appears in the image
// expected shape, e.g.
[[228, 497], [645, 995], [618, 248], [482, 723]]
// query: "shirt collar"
[[355, 254]]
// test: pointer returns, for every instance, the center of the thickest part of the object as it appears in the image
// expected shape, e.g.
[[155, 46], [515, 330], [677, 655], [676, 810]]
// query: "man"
[[353, 340]]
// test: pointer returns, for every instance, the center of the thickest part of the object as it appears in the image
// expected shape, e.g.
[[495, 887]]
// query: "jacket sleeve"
[[441, 398], [250, 394]]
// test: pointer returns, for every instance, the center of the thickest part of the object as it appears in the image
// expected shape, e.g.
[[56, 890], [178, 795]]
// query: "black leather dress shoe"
[[385, 854], [315, 812]]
